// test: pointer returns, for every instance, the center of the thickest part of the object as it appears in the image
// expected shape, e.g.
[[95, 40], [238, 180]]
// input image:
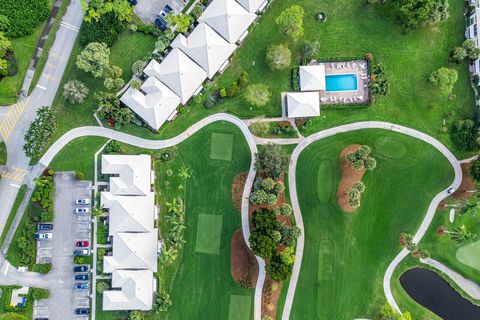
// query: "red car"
[[82, 244]]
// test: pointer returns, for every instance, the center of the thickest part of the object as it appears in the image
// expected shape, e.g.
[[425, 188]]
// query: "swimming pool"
[[341, 82]]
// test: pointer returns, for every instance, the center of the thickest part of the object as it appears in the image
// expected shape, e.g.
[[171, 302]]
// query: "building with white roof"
[[303, 104], [473, 32], [228, 18], [129, 214], [134, 174], [155, 103], [253, 6], [312, 78], [206, 47], [136, 292], [178, 72], [133, 250]]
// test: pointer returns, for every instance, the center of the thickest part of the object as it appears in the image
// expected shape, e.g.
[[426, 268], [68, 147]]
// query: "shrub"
[[40, 294], [272, 160], [290, 21], [278, 57], [102, 286], [137, 67], [75, 91], [162, 302], [79, 175], [465, 134], [445, 79], [232, 90], [105, 30], [260, 128], [361, 159], [12, 65], [286, 210], [110, 109], [278, 269], [113, 147], [378, 81], [475, 169], [136, 84], [258, 95], [43, 268], [310, 50], [211, 101], [23, 16], [39, 132], [94, 59], [295, 79], [136, 315]]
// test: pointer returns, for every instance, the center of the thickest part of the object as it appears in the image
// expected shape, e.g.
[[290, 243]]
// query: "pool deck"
[[357, 67]]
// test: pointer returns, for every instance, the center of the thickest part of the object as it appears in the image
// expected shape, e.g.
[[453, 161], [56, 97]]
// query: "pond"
[[431, 291]]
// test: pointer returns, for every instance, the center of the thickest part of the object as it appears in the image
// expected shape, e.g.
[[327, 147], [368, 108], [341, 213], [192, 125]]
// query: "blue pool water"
[[341, 82]]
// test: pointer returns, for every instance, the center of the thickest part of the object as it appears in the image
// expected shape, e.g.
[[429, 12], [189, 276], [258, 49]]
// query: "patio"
[[356, 67]]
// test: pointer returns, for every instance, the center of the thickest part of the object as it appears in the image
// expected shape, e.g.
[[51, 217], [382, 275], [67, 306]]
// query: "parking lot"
[[68, 228], [148, 10]]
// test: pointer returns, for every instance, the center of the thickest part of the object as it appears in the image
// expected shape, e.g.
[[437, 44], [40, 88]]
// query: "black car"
[[132, 2], [82, 277], [161, 23], [81, 268], [41, 318], [80, 311]]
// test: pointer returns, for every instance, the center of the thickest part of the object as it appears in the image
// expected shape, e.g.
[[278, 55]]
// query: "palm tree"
[[469, 206], [174, 206], [168, 256], [184, 172], [97, 211], [461, 234]]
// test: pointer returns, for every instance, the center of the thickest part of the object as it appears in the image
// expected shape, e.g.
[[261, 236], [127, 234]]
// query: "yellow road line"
[[10, 120], [16, 175]]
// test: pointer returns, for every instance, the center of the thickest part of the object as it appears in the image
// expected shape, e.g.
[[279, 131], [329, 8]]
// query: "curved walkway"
[[423, 227], [159, 144]]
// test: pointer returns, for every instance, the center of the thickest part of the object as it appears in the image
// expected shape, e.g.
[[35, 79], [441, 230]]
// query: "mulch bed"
[[237, 190], [467, 185], [243, 264], [350, 176], [270, 295]]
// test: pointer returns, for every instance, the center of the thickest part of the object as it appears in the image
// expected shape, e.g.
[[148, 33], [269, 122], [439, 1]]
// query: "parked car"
[[82, 277], [161, 23], [133, 2], [81, 252], [82, 311], [167, 9], [41, 318], [81, 286], [82, 244], [43, 236], [45, 226], [82, 201], [82, 210], [81, 268]]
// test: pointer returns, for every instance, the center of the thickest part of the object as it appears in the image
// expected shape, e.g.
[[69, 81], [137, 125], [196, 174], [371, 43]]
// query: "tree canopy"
[[445, 79], [291, 21], [278, 57], [258, 95], [94, 59], [272, 160], [465, 135], [94, 9], [413, 14]]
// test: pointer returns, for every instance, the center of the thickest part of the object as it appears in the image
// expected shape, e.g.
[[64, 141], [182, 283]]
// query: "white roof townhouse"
[[133, 175], [207, 48], [473, 32], [178, 72], [136, 288], [253, 6], [228, 18], [155, 103], [303, 104], [312, 78]]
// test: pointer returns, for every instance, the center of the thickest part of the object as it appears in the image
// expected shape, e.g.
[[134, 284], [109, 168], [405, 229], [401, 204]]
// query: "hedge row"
[[24, 15]]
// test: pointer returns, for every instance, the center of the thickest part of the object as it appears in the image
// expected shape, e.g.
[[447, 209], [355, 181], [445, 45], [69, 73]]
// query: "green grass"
[[346, 254], [469, 255], [130, 47], [209, 233], [5, 302], [48, 44], [3, 153], [13, 212], [240, 307], [221, 146], [78, 155]]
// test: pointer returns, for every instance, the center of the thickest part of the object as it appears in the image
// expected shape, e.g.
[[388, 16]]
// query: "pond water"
[[431, 291]]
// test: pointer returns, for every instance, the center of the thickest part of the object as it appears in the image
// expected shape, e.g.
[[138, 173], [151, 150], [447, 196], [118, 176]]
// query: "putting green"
[[209, 233], [221, 146], [470, 255], [324, 181], [240, 307]]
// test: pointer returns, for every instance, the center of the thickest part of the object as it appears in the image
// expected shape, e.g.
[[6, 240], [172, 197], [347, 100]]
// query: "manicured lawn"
[[209, 233], [3, 153], [469, 255], [221, 146], [346, 254], [78, 155], [130, 47], [13, 212], [240, 307]]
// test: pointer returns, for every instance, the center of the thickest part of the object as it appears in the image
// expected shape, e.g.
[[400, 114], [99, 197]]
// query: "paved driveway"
[[68, 227], [148, 10]]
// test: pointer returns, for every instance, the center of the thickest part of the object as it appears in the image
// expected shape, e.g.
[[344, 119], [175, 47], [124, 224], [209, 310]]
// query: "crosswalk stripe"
[[11, 118]]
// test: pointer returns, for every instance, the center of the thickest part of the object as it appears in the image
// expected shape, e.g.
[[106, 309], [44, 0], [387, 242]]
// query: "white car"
[[43, 236], [82, 210], [82, 201]]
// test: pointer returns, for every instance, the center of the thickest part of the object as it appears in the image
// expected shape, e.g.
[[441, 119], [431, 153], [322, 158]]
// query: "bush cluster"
[[303, 123], [111, 110], [39, 132], [378, 81], [23, 16], [266, 191], [361, 160], [272, 160], [274, 242], [465, 134], [227, 92], [283, 127], [43, 195], [106, 30], [354, 194]]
